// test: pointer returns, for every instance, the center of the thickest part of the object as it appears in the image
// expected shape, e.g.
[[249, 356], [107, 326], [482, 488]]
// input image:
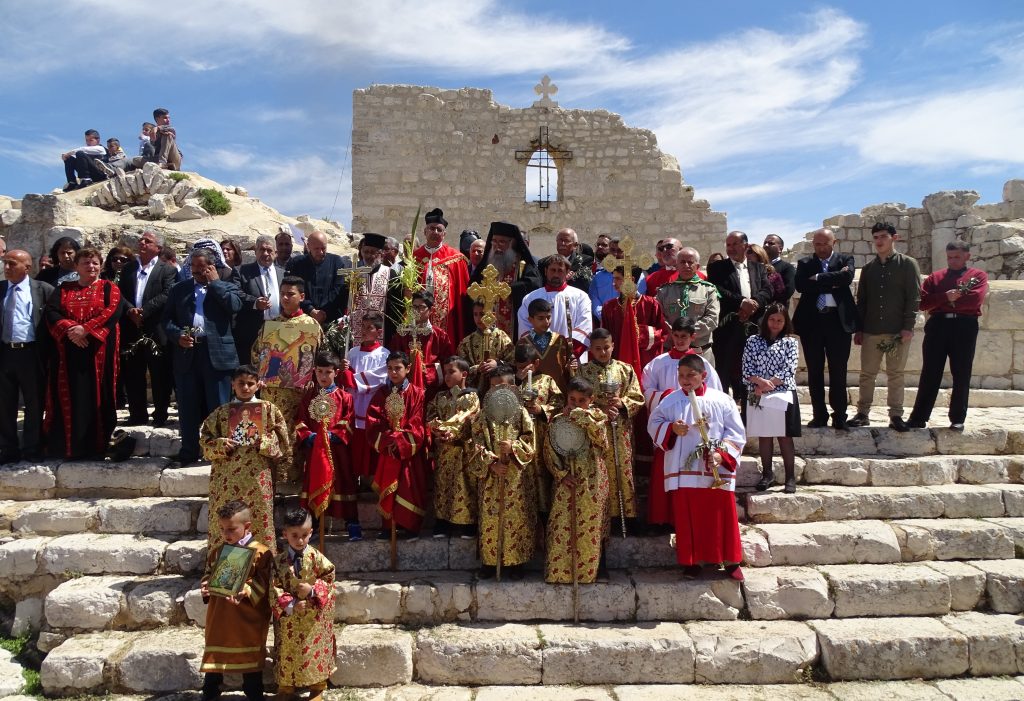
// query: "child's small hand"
[[344, 365], [229, 446], [504, 448], [304, 590], [680, 428], [300, 606], [499, 468], [204, 589], [574, 364]]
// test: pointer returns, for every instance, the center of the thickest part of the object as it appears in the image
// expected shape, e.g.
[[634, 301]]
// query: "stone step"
[[877, 471], [704, 652], [828, 503], [980, 398]]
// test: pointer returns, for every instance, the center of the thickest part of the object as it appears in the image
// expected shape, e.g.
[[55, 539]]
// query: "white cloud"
[[43, 151], [264, 115]]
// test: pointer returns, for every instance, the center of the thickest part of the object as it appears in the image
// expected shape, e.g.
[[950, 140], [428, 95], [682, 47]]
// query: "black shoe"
[[839, 422], [914, 423], [691, 571], [180, 460], [515, 573], [70, 186], [790, 487], [897, 423], [956, 427], [817, 423], [859, 420], [766, 481]]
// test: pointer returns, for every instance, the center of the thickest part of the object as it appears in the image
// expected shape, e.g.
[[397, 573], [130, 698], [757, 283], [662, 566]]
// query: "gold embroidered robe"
[[454, 487], [550, 401], [305, 641], [478, 347]]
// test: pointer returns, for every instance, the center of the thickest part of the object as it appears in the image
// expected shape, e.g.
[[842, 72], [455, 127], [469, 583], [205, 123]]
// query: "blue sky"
[[780, 113]]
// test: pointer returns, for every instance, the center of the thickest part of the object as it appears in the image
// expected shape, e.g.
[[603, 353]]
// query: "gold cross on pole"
[[489, 293], [628, 262], [356, 276]]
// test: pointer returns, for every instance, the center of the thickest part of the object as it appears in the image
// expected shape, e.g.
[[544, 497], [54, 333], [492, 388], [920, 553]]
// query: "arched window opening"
[[541, 178]]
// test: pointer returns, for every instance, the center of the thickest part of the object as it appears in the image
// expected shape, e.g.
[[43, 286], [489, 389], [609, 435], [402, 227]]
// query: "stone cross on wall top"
[[545, 88]]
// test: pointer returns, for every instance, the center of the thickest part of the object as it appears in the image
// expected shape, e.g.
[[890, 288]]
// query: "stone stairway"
[[899, 558]]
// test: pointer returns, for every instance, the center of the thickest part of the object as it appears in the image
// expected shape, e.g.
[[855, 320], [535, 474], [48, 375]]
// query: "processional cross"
[[489, 292], [628, 262]]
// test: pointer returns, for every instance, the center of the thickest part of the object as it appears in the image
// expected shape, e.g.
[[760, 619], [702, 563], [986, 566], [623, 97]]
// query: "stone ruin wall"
[[415, 146]]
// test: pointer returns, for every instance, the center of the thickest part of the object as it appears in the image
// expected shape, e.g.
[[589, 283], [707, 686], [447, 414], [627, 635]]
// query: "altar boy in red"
[[394, 428], [362, 372], [707, 531], [323, 432], [426, 345]]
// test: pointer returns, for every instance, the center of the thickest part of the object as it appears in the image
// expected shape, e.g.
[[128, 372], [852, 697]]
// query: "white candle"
[[529, 378], [696, 407]]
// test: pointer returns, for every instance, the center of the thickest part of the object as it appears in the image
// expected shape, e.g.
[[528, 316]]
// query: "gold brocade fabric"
[[477, 347], [551, 401], [455, 497], [305, 641]]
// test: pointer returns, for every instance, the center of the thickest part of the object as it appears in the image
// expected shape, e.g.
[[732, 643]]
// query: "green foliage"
[[14, 645], [177, 176], [33, 687], [214, 201]]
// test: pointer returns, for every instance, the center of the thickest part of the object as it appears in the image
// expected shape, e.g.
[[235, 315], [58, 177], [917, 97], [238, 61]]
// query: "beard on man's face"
[[504, 262]]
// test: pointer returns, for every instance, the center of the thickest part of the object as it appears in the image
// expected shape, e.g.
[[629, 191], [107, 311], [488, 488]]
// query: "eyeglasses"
[[120, 259], [666, 247]]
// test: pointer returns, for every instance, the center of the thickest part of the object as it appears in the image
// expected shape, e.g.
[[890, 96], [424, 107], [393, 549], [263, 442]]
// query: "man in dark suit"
[[825, 319], [145, 284], [259, 284], [23, 344], [324, 274], [774, 246], [198, 319], [745, 292]]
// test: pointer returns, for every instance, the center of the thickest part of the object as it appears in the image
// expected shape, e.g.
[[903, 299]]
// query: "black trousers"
[[84, 166], [828, 343], [729, 341], [953, 338], [133, 369], [21, 370], [252, 685]]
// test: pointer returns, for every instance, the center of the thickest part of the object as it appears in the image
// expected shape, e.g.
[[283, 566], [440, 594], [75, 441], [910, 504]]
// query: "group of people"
[[525, 396], [95, 161]]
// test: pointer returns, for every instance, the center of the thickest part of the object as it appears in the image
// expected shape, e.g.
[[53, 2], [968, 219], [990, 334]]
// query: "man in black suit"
[[198, 319], [825, 319], [23, 344], [259, 284], [745, 292], [324, 274], [774, 246], [145, 284]]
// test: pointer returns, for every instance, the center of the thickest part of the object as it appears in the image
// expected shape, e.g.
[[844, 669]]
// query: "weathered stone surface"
[[160, 206], [374, 555], [661, 653], [186, 481], [526, 600], [966, 583], [1004, 584], [786, 593], [890, 691], [25, 481], [983, 469], [952, 539], [831, 542], [890, 648], [745, 652], [987, 689], [851, 472], [969, 501], [76, 665], [20, 557], [86, 603], [908, 472], [1015, 527], [28, 616], [996, 641], [830, 503], [532, 693], [887, 590], [164, 442], [11, 679], [639, 551], [507, 653], [148, 515], [188, 212], [909, 443], [859, 442], [373, 656], [158, 601], [133, 477], [972, 441], [185, 556], [195, 609], [367, 602], [665, 596], [1013, 499], [725, 692], [56, 516], [756, 552], [439, 597], [165, 660], [91, 553]]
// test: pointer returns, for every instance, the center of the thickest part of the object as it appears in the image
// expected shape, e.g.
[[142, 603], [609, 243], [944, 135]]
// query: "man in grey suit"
[[197, 319], [23, 343], [145, 284], [259, 284]]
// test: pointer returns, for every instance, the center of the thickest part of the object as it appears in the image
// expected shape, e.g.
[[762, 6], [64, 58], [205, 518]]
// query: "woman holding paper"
[[772, 411]]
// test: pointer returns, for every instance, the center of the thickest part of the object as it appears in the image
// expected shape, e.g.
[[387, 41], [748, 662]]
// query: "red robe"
[[658, 278], [435, 349], [400, 481], [328, 473], [451, 280], [652, 329]]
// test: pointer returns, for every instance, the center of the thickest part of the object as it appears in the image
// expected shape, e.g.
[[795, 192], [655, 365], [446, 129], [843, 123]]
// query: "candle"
[[696, 407], [529, 378]]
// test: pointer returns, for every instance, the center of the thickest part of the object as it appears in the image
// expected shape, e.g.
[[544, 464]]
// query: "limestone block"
[[969, 501], [186, 481], [189, 211], [787, 592], [164, 442], [851, 472], [529, 599], [857, 442], [10, 217], [890, 691], [890, 648], [724, 692], [1013, 499], [997, 359], [950, 204], [148, 515], [831, 542], [1013, 191], [158, 601], [367, 602], [909, 443], [660, 654], [76, 666], [373, 656], [24, 481], [1004, 584], [195, 609], [11, 679], [509, 653], [752, 652], [966, 583], [887, 590], [130, 478], [374, 555], [203, 520], [983, 469], [996, 641], [165, 660], [988, 689], [522, 693], [829, 503], [756, 552], [971, 441], [653, 551], [20, 557], [241, 192], [665, 596], [952, 539], [86, 603], [185, 556], [48, 641], [160, 206], [91, 553], [52, 517], [28, 616]]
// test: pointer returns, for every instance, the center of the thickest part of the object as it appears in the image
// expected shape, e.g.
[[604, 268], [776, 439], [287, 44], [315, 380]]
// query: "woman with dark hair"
[[82, 317], [232, 253], [62, 257], [757, 254], [769, 369], [117, 258]]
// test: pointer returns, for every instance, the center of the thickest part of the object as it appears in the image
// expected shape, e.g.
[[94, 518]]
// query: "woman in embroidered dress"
[[82, 317], [769, 369]]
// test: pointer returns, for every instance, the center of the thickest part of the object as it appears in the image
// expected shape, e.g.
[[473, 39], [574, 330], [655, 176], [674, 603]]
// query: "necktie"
[[9, 304], [820, 304], [297, 562], [270, 285]]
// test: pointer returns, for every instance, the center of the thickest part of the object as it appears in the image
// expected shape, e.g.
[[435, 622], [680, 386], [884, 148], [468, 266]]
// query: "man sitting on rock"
[[80, 168], [165, 143]]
